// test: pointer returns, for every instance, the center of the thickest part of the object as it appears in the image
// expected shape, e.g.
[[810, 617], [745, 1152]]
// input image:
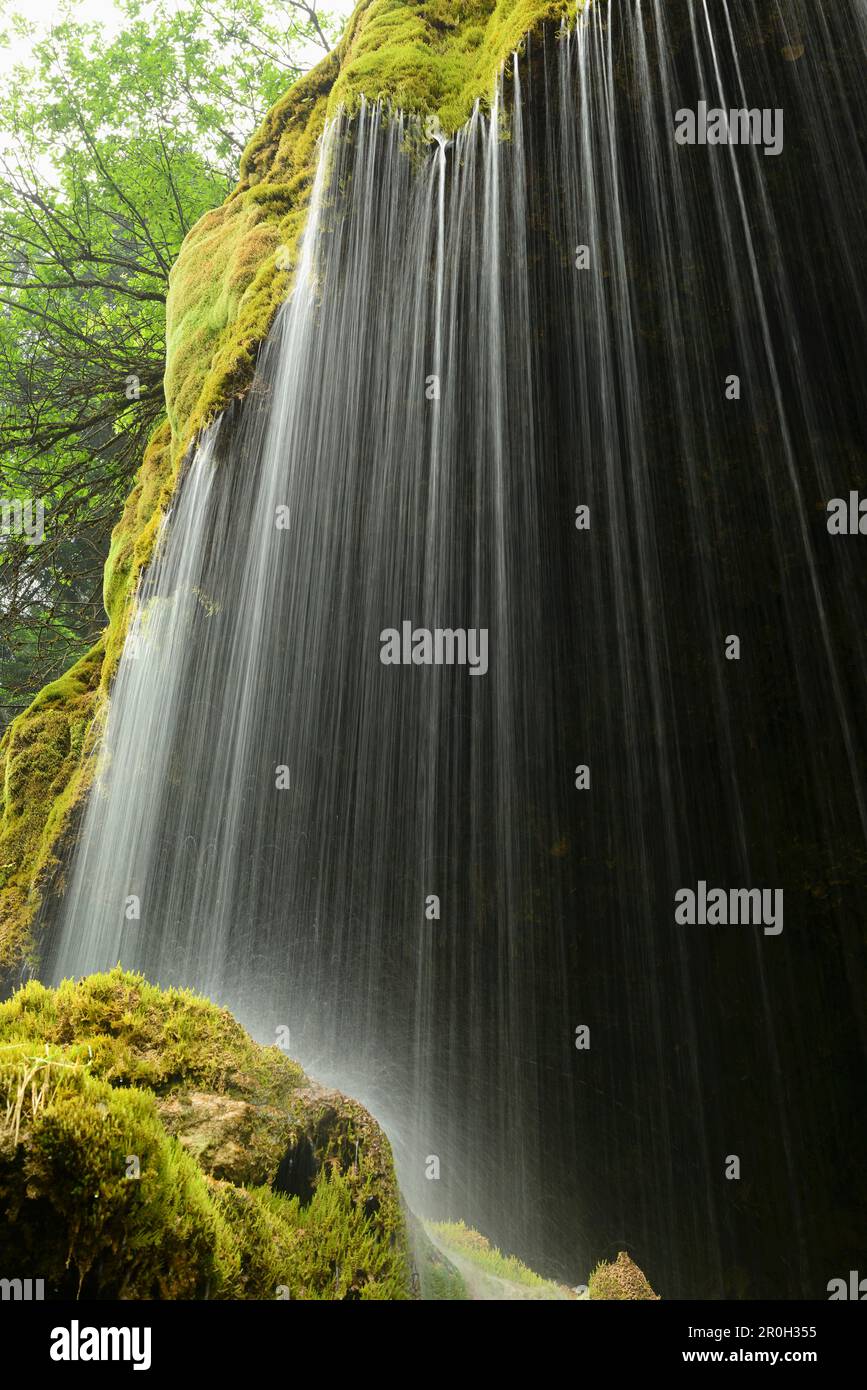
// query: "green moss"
[[444, 1284], [102, 1198], [138, 1035], [40, 757], [476, 1247], [68, 1204], [437, 57], [620, 1280]]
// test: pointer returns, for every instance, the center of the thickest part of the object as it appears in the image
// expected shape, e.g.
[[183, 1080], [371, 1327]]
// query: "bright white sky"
[[46, 13]]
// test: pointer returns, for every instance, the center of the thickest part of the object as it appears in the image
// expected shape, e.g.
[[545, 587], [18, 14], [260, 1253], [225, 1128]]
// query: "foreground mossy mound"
[[620, 1280], [150, 1149]]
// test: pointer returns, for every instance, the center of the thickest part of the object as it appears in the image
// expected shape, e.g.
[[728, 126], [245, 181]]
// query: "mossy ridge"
[[438, 57], [135, 1034], [471, 1244], [233, 272], [86, 1074]]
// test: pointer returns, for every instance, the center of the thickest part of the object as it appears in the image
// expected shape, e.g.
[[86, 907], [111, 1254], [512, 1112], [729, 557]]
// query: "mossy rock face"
[[622, 1279], [435, 57], [151, 1149]]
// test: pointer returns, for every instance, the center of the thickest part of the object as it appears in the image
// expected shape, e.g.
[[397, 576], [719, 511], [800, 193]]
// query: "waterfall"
[[397, 868]]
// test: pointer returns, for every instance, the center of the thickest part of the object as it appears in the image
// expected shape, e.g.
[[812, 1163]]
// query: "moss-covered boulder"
[[622, 1279], [150, 1149]]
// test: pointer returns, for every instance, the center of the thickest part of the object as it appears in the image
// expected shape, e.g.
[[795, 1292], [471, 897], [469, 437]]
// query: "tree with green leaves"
[[114, 139]]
